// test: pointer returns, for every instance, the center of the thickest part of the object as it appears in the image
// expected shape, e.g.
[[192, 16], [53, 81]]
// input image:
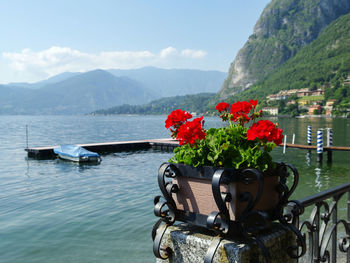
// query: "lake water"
[[56, 211]]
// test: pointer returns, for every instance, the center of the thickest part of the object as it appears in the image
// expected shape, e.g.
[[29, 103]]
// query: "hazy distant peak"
[[75, 93]]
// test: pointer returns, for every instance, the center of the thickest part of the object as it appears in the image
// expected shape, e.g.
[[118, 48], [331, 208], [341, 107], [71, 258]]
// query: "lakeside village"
[[306, 102]]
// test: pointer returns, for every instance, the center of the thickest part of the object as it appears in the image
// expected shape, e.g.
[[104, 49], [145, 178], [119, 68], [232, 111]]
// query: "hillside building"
[[329, 107], [270, 110], [315, 109]]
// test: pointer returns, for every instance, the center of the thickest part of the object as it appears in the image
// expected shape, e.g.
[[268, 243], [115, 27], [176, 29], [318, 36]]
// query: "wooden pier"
[[159, 144], [312, 147], [108, 147]]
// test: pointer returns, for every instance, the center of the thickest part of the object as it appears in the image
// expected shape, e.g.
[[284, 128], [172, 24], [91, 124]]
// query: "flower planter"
[[227, 200], [230, 202], [195, 191]]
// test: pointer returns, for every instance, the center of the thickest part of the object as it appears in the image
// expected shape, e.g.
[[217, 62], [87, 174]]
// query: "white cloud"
[[166, 52], [191, 53], [55, 60]]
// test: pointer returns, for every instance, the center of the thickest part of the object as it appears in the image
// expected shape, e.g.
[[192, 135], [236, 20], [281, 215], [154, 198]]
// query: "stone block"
[[190, 244]]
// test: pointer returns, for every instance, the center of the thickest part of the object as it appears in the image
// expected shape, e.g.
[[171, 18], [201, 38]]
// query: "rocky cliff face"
[[283, 28]]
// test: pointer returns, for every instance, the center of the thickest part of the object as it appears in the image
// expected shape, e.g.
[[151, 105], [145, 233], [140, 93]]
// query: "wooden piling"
[[319, 146], [329, 144], [309, 135]]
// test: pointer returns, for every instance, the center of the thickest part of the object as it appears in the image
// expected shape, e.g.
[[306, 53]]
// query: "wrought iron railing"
[[322, 233], [317, 236]]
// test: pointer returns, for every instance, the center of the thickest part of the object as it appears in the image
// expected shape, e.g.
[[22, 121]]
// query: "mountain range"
[[283, 29], [296, 44], [323, 63], [174, 82], [81, 93]]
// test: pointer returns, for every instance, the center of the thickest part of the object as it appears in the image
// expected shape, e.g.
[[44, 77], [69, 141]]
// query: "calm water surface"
[[56, 211]]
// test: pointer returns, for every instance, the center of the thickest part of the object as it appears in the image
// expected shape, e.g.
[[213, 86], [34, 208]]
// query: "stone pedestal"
[[190, 245]]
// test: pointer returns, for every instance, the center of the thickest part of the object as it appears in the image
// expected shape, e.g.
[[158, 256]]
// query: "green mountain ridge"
[[191, 103], [323, 63], [284, 27]]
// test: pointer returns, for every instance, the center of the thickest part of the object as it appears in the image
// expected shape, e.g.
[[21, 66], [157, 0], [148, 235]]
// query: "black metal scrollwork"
[[209, 256], [219, 221], [164, 209], [167, 171], [282, 187], [321, 230], [250, 221], [157, 236], [295, 209], [248, 176]]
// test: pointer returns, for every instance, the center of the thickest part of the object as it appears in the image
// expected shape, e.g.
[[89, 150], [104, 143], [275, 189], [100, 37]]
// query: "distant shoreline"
[[210, 115]]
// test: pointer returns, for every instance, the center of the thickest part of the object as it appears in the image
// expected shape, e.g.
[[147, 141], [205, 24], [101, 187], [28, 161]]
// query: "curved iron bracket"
[[247, 196], [209, 256], [158, 232], [219, 221], [167, 170], [164, 210], [288, 222], [282, 188]]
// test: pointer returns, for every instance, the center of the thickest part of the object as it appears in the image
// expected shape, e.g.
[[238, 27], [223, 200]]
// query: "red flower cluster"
[[200, 149], [254, 103], [222, 106], [265, 130], [175, 119], [191, 131], [239, 111]]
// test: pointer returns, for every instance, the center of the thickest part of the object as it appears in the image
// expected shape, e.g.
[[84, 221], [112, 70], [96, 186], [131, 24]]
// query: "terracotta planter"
[[195, 195], [212, 196]]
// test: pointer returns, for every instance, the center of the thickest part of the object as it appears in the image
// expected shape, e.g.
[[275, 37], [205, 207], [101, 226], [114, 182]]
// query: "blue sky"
[[40, 39]]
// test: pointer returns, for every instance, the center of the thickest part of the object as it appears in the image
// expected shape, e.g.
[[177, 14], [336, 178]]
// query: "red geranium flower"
[[177, 117], [277, 136], [239, 111], [241, 107], [226, 146], [222, 106], [265, 130], [191, 131], [253, 103]]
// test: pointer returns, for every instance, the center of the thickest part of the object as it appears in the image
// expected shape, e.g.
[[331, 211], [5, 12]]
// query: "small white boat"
[[76, 153]]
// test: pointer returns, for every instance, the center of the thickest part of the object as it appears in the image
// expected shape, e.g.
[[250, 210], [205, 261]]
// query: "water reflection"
[[27, 170], [308, 158], [318, 180]]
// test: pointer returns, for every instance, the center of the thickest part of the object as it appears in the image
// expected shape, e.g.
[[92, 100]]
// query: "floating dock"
[[108, 147], [158, 144]]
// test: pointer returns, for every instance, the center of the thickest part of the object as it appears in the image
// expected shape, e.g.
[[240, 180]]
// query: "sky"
[[40, 38]]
